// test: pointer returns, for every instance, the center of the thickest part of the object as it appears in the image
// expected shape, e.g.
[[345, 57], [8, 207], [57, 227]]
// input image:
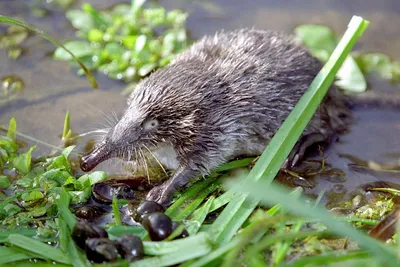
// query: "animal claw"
[[160, 195]]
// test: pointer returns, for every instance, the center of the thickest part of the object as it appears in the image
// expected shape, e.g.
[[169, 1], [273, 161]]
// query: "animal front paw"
[[160, 194]]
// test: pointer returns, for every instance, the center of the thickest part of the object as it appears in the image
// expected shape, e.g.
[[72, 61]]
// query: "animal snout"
[[94, 158]]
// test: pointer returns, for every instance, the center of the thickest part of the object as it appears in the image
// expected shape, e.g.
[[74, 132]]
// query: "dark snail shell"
[[147, 207], [84, 230], [90, 213], [104, 192], [158, 225], [130, 247], [101, 250]]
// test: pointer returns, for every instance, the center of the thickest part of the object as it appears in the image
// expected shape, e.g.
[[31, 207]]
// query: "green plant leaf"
[[116, 213], [78, 48], [37, 247], [12, 130], [321, 41], [10, 255], [136, 6], [62, 201], [80, 19], [140, 43], [379, 63], [67, 151], [199, 216], [4, 182], [118, 230], [92, 178], [23, 162]]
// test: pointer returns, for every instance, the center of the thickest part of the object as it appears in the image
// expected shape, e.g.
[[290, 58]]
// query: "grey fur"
[[224, 97]]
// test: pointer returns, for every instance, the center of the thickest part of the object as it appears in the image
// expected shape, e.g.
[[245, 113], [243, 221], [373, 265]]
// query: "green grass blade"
[[63, 234], [270, 194], [37, 264], [283, 247], [118, 230], [216, 254], [174, 252], [33, 139], [78, 259], [240, 163], [176, 208], [37, 247], [221, 201], [66, 128], [223, 220], [333, 257], [199, 216], [237, 220], [46, 36], [68, 246], [22, 231], [196, 202], [62, 203], [117, 214], [12, 130], [8, 255], [162, 248], [286, 137]]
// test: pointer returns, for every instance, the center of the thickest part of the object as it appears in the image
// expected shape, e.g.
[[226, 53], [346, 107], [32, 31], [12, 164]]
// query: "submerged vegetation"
[[238, 216]]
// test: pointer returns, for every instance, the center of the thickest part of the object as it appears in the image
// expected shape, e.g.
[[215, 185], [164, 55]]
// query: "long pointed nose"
[[99, 154]]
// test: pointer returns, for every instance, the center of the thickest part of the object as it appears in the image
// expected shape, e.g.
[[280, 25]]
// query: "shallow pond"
[[52, 87]]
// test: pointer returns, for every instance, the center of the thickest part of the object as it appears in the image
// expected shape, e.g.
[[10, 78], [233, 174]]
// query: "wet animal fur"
[[223, 97]]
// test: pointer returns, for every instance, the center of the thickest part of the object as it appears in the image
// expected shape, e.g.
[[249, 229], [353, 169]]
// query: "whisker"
[[159, 163], [145, 164], [137, 161], [114, 116], [101, 131]]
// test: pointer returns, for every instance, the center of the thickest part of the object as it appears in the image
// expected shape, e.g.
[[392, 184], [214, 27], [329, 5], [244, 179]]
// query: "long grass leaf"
[[199, 216], [22, 231], [35, 246], [332, 257], [216, 254], [118, 230], [176, 208], [196, 202], [62, 202], [174, 252], [270, 194], [116, 212], [162, 248], [8, 255]]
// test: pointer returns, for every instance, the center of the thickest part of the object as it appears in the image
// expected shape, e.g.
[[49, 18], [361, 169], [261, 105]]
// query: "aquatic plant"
[[126, 42]]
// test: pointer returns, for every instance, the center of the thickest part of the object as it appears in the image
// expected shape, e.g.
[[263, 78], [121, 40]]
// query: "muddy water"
[[52, 87]]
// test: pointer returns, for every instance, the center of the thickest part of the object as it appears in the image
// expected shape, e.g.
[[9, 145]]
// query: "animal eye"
[[150, 125]]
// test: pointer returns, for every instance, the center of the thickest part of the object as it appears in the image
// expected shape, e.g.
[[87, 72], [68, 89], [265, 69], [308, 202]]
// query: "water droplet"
[[11, 85]]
